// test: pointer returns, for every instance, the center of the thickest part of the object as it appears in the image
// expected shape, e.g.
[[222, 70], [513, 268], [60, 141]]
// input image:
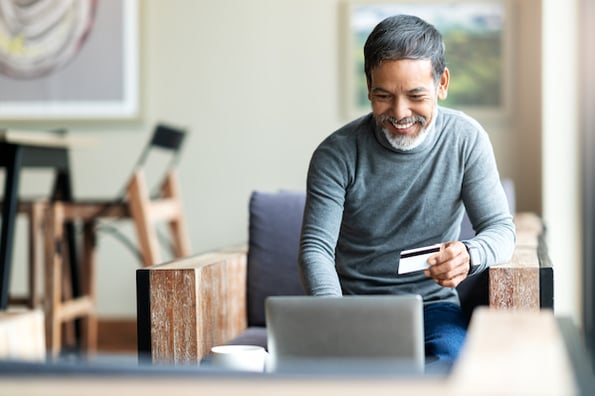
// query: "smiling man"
[[400, 178]]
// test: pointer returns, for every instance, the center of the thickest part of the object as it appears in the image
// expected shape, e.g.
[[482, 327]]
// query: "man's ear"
[[443, 84], [369, 83]]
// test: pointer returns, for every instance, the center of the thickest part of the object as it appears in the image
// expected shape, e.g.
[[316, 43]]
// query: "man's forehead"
[[413, 73]]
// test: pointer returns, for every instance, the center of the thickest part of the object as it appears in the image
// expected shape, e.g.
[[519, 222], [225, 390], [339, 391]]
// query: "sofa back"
[[275, 225]]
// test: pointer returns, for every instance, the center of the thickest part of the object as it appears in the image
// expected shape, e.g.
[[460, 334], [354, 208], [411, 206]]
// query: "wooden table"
[[507, 353], [18, 150]]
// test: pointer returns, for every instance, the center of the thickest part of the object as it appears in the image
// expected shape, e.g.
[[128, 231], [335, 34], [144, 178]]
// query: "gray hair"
[[404, 37]]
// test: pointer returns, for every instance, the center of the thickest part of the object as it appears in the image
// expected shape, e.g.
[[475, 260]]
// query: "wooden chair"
[[147, 212], [136, 204]]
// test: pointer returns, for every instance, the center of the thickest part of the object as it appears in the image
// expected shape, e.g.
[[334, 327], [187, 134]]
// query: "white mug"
[[239, 357]]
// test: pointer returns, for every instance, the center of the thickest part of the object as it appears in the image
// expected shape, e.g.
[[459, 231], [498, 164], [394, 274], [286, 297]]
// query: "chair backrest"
[[167, 141]]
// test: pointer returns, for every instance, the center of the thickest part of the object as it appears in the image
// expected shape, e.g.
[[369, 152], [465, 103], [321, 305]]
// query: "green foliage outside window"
[[473, 49]]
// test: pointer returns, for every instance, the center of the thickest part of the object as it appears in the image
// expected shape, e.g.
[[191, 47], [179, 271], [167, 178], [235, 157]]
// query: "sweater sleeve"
[[487, 207], [322, 221]]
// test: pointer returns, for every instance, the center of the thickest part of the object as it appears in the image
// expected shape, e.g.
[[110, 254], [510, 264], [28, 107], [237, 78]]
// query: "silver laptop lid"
[[350, 333]]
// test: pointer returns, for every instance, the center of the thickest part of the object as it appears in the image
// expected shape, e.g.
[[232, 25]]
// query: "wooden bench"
[[188, 305]]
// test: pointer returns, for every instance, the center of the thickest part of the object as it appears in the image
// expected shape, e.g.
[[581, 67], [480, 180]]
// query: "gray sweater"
[[367, 201]]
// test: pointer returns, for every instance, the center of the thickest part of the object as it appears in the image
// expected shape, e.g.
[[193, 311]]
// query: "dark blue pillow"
[[275, 225]]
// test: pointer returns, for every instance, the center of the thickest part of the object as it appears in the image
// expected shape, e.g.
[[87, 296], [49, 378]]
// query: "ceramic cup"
[[239, 357]]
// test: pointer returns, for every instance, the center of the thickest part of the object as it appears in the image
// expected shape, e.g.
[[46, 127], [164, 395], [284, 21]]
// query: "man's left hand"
[[450, 266]]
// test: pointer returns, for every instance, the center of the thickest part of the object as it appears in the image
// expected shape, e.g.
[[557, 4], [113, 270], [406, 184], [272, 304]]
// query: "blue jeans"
[[445, 327]]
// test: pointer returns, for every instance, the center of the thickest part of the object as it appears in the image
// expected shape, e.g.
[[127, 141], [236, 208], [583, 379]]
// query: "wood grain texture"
[[196, 305], [516, 285], [514, 288]]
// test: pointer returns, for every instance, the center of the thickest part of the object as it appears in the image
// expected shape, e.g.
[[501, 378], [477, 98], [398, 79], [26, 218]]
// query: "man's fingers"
[[449, 267], [454, 282]]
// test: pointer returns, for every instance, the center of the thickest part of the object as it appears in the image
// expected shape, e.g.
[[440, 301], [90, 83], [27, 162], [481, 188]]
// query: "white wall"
[[258, 85]]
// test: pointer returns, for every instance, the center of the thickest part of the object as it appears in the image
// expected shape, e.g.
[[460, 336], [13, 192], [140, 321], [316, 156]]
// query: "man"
[[397, 179]]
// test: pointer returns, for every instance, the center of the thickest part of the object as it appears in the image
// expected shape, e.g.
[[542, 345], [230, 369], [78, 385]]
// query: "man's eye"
[[417, 97], [382, 96]]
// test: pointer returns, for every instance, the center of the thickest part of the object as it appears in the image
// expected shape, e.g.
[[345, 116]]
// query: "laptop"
[[350, 334]]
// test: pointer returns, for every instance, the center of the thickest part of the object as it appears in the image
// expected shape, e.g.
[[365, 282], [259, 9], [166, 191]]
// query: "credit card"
[[416, 259]]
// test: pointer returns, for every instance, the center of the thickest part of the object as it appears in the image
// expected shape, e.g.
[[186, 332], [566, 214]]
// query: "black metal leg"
[[12, 157]]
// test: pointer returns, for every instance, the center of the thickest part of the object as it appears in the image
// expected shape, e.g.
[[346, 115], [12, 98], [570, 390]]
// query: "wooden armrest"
[[517, 284], [186, 306]]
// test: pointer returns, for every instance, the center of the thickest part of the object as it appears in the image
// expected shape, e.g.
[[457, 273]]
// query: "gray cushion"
[[273, 245], [251, 336]]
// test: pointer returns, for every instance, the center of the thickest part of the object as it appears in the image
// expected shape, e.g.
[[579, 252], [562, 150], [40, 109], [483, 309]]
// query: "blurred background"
[[259, 83]]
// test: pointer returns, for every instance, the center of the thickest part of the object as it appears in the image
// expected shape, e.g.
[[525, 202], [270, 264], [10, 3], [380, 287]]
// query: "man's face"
[[404, 98]]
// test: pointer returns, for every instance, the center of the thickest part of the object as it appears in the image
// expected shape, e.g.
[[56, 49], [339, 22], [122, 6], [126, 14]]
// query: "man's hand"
[[450, 266]]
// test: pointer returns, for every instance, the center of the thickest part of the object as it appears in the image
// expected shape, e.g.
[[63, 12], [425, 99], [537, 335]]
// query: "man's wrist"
[[474, 259]]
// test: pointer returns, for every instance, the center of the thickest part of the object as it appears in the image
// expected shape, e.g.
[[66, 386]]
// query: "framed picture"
[[477, 38], [69, 59]]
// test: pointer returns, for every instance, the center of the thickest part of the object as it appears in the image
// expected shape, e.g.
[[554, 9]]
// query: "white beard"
[[405, 142]]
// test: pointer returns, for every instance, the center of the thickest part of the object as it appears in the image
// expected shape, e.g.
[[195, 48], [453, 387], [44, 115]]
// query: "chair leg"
[[69, 328], [61, 306], [36, 277], [53, 286], [177, 226], [89, 322], [34, 211], [139, 201]]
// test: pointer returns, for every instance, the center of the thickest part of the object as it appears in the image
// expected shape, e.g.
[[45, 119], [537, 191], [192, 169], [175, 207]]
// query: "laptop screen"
[[361, 334]]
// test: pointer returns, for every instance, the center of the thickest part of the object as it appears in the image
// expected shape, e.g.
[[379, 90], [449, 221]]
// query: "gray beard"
[[406, 143]]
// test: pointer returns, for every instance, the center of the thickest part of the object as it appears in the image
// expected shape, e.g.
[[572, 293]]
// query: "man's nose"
[[401, 108]]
